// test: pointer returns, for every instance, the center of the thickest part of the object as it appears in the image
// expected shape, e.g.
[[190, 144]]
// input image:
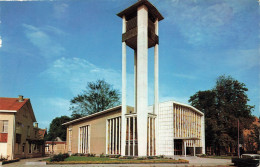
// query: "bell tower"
[[140, 32]]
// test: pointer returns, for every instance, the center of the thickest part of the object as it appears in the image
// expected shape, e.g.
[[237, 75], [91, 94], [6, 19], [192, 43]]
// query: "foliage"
[[59, 157], [2, 158], [98, 96], [223, 106], [57, 129]]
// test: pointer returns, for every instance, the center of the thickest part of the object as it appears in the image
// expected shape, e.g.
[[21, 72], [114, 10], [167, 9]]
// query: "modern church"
[[168, 128]]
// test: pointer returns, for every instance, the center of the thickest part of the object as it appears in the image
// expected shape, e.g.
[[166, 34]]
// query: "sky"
[[50, 50]]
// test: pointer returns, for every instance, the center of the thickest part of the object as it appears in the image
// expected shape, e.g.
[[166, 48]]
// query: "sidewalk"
[[194, 162]]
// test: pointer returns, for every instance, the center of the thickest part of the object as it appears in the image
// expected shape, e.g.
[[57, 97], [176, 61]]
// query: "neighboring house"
[[250, 137], [18, 136], [178, 130], [55, 147]]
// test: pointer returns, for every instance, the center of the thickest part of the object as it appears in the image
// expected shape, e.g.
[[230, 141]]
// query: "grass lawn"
[[219, 157], [106, 160]]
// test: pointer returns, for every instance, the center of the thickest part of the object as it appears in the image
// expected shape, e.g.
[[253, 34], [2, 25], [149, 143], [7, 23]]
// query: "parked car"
[[247, 160]]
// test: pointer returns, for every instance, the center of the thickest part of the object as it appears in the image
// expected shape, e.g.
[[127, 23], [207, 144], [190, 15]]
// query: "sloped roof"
[[92, 115], [11, 104]]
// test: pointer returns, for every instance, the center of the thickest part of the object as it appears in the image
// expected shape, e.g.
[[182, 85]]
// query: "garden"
[[109, 159]]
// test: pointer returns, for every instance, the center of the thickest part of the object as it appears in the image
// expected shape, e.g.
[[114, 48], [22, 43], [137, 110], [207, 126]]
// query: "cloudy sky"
[[51, 49]]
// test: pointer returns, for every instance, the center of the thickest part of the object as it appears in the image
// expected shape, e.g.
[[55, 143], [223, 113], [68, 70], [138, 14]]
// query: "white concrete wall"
[[3, 149], [165, 129]]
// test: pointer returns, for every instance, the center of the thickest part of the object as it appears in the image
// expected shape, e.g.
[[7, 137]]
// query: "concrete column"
[[113, 136], [185, 148], [173, 148], [123, 90], [203, 134], [135, 80], [133, 136], [107, 137], [119, 138], [149, 136], [156, 72], [116, 136], [110, 137], [142, 79], [129, 129], [194, 149], [156, 81]]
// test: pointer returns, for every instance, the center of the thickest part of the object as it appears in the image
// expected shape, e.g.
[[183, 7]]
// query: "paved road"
[[194, 162]]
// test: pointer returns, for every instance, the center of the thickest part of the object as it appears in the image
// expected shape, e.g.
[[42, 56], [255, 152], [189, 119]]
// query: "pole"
[[238, 150]]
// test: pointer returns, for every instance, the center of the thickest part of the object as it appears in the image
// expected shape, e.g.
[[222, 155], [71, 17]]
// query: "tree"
[[98, 96], [223, 106], [57, 129]]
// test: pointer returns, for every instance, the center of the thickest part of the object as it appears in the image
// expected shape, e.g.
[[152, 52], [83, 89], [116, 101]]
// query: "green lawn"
[[82, 158], [107, 160], [219, 157]]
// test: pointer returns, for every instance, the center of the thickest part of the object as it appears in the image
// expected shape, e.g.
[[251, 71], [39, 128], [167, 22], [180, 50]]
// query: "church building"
[[168, 128]]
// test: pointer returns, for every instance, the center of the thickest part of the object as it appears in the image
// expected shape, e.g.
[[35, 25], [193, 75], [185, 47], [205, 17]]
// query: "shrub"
[[65, 155], [140, 158], [129, 157], [58, 157], [150, 157], [102, 155], [75, 154], [90, 155], [2, 158]]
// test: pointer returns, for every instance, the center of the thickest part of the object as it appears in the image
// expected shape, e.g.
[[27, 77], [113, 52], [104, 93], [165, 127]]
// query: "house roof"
[[14, 105], [92, 115], [11, 104]]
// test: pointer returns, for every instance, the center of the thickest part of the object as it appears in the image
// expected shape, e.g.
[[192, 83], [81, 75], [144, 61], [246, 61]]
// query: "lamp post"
[[238, 149]]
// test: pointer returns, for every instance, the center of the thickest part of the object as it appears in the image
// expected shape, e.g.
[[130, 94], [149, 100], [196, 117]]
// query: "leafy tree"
[[56, 128], [223, 106], [98, 96]]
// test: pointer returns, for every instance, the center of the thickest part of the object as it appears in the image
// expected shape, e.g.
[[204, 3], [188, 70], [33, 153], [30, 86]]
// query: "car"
[[247, 160]]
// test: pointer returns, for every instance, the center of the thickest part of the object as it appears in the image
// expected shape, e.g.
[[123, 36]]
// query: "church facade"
[[168, 128]]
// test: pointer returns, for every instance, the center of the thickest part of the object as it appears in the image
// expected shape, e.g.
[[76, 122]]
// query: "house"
[[55, 147], [19, 138], [250, 145]]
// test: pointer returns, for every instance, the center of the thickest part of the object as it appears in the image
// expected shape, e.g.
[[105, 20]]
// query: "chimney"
[[20, 98], [36, 125]]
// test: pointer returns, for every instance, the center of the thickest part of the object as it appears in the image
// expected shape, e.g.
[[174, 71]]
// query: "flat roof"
[[151, 9]]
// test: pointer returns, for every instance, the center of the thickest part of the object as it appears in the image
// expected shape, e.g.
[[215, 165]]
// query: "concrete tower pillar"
[[123, 119], [142, 79], [156, 85]]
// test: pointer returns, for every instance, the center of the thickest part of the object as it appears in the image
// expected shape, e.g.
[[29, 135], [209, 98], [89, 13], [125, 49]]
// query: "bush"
[[90, 155], [140, 158], [129, 157], [75, 154], [66, 155], [59, 157], [151, 157], [2, 158]]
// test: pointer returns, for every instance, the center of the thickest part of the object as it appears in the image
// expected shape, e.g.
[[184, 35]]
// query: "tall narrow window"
[[84, 139], [114, 135], [70, 139]]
